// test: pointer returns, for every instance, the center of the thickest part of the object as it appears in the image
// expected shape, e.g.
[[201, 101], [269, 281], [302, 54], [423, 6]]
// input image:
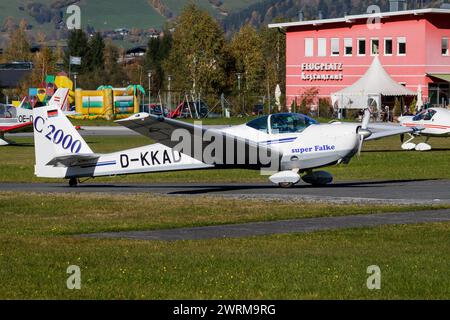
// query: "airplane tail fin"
[[59, 98], [54, 136]]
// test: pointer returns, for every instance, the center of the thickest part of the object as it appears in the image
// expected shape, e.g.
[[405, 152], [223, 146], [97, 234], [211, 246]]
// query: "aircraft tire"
[[286, 185], [73, 182]]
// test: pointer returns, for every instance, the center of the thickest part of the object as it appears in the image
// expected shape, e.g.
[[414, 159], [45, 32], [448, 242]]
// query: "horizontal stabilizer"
[[71, 160]]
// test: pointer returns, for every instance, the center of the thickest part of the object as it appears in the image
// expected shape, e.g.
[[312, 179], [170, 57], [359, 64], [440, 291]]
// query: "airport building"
[[332, 54]]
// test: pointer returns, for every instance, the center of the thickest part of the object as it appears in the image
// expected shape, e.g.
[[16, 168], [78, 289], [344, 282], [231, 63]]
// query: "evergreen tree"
[[77, 46], [158, 49], [95, 58]]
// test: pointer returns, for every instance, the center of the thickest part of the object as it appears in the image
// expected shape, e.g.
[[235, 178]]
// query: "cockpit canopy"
[[282, 123], [425, 115], [7, 111]]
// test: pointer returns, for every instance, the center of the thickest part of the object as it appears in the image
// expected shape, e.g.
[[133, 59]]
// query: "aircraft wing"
[[14, 128], [162, 130], [381, 131], [70, 160]]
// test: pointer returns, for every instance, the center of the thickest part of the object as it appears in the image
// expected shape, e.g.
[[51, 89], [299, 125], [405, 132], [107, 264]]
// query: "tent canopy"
[[376, 82]]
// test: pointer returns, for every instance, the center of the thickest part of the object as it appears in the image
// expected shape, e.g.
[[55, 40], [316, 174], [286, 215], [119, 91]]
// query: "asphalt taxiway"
[[395, 191], [281, 226]]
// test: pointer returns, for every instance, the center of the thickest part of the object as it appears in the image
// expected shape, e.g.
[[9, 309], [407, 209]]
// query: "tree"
[[158, 49], [114, 73], [19, 47], [196, 60], [95, 55], [247, 50], [77, 46], [274, 50]]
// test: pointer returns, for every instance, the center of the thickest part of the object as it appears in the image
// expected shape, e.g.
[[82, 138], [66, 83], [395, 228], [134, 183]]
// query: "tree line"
[[193, 51]]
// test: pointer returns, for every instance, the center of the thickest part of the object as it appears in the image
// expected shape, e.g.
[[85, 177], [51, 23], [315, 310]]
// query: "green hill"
[[111, 14]]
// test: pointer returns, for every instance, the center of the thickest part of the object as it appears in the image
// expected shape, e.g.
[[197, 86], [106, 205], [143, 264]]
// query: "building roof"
[[12, 78], [353, 18]]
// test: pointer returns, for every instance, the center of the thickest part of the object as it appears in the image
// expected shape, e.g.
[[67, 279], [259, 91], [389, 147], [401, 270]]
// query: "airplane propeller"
[[363, 132]]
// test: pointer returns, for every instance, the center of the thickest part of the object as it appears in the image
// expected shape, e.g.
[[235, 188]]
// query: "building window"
[[309, 47], [388, 47], [374, 46], [322, 47], [401, 45], [445, 51], [335, 47], [348, 46], [361, 47]]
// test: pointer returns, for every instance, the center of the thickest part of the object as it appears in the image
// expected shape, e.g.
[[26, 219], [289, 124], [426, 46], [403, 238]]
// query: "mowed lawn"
[[38, 243], [380, 160]]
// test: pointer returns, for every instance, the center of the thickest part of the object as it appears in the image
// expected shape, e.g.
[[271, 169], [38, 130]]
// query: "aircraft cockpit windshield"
[[7, 111], [425, 115], [290, 122]]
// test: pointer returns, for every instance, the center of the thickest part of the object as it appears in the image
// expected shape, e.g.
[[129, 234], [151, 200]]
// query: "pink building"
[[331, 54]]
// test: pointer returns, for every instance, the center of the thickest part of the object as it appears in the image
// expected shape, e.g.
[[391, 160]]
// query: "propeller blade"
[[366, 119], [402, 138], [361, 140]]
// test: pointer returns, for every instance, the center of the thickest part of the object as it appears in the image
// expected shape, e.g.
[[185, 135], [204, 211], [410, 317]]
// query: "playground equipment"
[[108, 102], [41, 95]]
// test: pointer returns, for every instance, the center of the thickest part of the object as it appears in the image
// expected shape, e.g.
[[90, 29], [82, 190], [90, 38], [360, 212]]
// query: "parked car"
[[258, 109]]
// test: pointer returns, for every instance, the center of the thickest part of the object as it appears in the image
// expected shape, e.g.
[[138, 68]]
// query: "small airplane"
[[283, 145], [13, 119], [431, 122], [18, 119]]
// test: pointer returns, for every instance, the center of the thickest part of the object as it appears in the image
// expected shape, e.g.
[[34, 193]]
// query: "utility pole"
[[169, 98], [75, 74], [149, 89], [239, 75]]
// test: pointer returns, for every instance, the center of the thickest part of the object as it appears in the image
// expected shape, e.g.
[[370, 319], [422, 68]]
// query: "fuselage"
[[12, 117], [316, 146], [433, 122]]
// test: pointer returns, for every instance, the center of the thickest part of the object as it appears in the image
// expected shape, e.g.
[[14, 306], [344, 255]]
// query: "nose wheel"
[[286, 185], [73, 182]]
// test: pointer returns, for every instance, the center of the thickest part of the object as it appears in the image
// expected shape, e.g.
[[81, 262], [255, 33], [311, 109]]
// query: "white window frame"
[[345, 47], [358, 47], [331, 47], [401, 40], [442, 46], [371, 46], [311, 42], [321, 47], [392, 47]]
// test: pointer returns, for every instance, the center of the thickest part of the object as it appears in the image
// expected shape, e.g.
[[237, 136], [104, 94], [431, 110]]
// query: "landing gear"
[[285, 179], [318, 178], [286, 185], [4, 141], [73, 182], [408, 145]]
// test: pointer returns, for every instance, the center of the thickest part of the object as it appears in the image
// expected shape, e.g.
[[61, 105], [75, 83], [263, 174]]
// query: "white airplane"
[[287, 144], [18, 119], [432, 122]]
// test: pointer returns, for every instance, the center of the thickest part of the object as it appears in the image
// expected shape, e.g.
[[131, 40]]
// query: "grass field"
[[37, 246], [380, 160], [38, 237]]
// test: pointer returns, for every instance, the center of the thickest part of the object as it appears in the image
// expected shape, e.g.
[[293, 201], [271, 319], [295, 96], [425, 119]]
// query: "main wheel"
[[73, 182], [286, 184]]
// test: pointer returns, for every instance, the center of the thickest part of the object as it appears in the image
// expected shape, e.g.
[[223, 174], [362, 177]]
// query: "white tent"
[[368, 90]]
